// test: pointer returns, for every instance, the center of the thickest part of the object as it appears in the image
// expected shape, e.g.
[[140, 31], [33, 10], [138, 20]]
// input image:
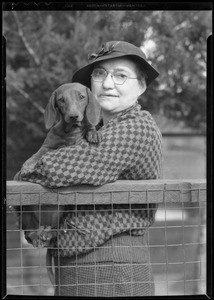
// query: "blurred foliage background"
[[45, 48]]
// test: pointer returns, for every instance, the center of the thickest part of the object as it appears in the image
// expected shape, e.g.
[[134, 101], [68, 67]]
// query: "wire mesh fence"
[[176, 239]]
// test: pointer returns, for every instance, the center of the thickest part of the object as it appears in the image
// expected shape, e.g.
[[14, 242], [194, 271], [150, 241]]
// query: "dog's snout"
[[72, 120]]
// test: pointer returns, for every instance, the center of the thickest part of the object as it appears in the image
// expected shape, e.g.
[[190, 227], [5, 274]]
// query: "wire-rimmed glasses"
[[99, 75]]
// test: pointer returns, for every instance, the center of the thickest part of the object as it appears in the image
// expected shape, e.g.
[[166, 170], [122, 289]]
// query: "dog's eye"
[[61, 100], [82, 96]]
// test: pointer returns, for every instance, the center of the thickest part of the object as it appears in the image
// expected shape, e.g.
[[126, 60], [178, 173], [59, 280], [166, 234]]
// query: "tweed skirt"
[[106, 277]]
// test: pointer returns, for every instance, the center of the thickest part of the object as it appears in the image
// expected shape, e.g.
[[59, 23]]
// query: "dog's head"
[[71, 102]]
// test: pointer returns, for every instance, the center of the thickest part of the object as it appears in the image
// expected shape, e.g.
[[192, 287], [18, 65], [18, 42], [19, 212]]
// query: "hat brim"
[[83, 75]]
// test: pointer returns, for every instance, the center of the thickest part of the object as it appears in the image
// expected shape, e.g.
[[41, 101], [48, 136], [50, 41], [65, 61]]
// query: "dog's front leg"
[[92, 135]]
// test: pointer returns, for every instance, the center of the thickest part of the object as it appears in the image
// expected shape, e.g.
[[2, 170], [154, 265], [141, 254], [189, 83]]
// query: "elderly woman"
[[112, 257]]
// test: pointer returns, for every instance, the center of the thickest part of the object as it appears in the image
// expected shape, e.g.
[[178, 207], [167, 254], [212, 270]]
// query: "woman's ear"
[[142, 86], [92, 109], [51, 113]]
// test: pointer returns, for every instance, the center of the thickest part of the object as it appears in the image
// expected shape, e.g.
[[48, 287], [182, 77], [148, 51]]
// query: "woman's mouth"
[[108, 95]]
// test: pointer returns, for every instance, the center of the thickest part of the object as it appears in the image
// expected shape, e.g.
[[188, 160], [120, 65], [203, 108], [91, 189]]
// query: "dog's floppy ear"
[[51, 113], [92, 109]]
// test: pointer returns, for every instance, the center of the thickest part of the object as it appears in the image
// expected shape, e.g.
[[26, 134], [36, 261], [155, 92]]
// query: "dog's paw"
[[36, 243], [94, 137], [46, 236]]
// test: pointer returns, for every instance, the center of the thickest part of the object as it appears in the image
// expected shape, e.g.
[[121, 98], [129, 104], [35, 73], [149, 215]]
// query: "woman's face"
[[112, 97]]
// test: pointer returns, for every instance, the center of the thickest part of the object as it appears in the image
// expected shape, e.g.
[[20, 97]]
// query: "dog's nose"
[[73, 118]]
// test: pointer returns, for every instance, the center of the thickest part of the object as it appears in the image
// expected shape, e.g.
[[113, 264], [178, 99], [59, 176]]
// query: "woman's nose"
[[108, 81]]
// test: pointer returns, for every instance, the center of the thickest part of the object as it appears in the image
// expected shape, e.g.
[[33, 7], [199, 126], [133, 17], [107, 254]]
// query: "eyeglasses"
[[99, 75]]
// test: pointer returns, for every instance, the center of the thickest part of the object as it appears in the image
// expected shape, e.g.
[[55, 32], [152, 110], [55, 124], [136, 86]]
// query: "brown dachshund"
[[71, 115]]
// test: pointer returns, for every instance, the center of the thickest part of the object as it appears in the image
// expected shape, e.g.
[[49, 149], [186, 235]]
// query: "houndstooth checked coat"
[[130, 149]]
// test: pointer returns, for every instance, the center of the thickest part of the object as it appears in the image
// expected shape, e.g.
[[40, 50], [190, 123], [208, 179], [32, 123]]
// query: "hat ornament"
[[105, 50]]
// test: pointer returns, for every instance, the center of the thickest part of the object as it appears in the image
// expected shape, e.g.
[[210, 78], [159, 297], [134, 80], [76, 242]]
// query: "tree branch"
[[24, 40], [27, 97]]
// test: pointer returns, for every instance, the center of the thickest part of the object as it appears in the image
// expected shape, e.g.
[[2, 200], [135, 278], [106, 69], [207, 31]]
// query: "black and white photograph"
[[106, 144]]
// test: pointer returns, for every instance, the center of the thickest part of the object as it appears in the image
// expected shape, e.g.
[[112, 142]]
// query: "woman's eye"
[[99, 72], [120, 75]]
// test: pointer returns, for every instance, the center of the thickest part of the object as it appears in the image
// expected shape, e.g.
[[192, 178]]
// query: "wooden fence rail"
[[119, 192]]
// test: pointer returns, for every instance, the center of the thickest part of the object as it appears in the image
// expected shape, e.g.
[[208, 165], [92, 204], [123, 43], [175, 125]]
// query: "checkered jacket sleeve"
[[130, 149]]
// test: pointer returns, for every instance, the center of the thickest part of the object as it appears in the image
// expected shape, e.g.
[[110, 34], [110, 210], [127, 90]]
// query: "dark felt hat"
[[115, 49]]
